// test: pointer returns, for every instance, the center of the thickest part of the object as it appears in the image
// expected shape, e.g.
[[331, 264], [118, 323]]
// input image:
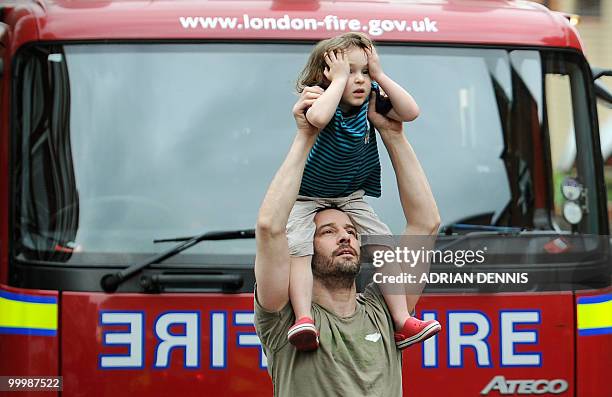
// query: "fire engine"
[[137, 139]]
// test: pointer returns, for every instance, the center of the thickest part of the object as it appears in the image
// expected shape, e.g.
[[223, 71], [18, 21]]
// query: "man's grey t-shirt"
[[356, 357]]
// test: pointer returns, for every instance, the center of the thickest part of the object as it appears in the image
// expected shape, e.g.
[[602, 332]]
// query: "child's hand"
[[374, 66], [337, 65]]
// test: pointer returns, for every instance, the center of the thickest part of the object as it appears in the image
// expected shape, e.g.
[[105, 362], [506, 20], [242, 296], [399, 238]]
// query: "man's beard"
[[334, 271]]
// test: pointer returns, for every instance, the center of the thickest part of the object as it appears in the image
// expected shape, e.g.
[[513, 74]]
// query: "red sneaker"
[[303, 335], [415, 331]]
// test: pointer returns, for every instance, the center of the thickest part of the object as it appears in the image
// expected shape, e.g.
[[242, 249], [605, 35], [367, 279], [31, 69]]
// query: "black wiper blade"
[[211, 236], [110, 282], [458, 227], [475, 231]]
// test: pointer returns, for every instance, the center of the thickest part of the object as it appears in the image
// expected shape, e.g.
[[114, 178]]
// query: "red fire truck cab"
[[123, 123]]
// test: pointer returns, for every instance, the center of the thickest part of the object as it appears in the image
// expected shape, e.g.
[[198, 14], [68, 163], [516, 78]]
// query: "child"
[[342, 167]]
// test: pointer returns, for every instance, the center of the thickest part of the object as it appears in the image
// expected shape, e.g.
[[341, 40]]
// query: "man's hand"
[[417, 200], [337, 65], [374, 66], [385, 125], [308, 96]]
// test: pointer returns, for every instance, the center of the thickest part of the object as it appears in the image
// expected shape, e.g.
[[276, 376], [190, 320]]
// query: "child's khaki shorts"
[[301, 227]]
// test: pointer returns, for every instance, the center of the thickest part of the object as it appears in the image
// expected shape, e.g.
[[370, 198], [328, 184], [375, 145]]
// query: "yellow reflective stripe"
[[595, 315], [18, 314]]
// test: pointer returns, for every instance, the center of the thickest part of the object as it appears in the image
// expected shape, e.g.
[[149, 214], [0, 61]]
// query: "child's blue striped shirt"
[[344, 158]]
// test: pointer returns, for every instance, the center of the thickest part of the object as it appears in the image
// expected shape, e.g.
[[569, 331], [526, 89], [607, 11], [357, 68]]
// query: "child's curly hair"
[[313, 71]]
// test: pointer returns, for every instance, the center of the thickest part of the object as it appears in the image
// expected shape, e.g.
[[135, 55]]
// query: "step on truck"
[[137, 139]]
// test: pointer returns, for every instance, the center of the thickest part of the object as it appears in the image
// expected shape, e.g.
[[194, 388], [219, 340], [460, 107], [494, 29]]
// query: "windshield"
[[118, 145]]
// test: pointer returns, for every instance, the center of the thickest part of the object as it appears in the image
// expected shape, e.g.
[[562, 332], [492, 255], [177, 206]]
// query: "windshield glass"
[[118, 145]]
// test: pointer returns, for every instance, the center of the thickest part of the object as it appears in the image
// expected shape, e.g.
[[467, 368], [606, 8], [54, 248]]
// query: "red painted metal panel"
[[593, 359], [555, 334], [82, 345], [29, 355], [492, 22], [83, 335]]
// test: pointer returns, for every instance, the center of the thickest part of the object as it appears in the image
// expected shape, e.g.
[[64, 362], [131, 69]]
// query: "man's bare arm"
[[272, 259], [418, 203]]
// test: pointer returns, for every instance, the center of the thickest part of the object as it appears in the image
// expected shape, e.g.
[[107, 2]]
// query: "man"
[[357, 354]]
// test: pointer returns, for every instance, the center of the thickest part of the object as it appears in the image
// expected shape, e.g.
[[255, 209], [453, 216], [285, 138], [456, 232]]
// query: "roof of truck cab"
[[495, 22]]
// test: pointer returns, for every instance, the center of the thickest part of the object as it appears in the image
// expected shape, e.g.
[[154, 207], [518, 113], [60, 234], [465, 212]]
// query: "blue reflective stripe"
[[595, 331], [27, 298], [595, 299], [28, 331]]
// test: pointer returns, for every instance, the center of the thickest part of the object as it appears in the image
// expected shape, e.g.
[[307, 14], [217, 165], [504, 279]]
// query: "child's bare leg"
[[397, 307], [303, 334], [394, 298], [300, 286]]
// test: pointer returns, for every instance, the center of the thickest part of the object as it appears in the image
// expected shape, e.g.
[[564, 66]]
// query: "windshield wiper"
[[110, 282], [476, 233], [457, 227]]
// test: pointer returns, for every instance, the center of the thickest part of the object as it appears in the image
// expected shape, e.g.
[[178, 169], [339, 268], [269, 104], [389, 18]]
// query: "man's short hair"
[[330, 207]]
